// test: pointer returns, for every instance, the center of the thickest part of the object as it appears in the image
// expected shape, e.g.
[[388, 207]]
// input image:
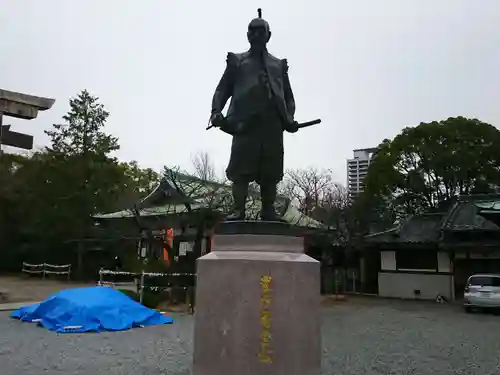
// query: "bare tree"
[[204, 188], [203, 166], [214, 191], [317, 195], [311, 188]]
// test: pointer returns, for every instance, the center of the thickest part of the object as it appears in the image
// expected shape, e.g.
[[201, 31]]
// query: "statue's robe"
[[262, 107]]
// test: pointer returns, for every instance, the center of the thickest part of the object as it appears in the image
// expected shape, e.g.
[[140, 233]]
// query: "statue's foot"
[[235, 216], [271, 216]]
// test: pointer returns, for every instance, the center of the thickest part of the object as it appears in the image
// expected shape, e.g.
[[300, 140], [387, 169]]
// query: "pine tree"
[[83, 131]]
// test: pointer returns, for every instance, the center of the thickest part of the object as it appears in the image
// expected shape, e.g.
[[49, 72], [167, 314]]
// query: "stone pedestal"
[[257, 303]]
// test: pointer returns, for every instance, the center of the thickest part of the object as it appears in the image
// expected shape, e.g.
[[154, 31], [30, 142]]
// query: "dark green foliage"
[[47, 199], [152, 299], [130, 293], [426, 166]]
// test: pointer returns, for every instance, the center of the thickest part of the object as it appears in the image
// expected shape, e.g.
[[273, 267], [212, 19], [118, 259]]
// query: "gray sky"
[[366, 68]]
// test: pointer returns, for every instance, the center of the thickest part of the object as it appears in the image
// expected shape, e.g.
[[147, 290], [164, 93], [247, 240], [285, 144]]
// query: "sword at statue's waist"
[[308, 123], [299, 125]]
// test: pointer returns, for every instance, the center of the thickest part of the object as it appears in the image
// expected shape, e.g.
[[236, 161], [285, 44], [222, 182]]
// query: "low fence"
[[45, 269], [140, 280]]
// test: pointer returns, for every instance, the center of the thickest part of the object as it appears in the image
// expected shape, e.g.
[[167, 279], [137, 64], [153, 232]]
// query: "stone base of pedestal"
[[257, 304]]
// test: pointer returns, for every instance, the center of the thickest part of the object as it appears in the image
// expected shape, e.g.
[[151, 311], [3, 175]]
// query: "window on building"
[[416, 260], [484, 281]]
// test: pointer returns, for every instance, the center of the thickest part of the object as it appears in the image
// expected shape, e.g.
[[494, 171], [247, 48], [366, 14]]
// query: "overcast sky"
[[366, 68]]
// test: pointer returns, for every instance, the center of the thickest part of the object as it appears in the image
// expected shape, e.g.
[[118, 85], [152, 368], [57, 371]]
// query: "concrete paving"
[[359, 336], [14, 305]]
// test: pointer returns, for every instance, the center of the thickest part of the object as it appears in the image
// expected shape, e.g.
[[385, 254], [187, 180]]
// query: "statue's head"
[[259, 32]]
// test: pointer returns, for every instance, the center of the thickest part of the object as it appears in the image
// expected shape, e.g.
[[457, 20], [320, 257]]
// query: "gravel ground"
[[359, 337], [22, 289]]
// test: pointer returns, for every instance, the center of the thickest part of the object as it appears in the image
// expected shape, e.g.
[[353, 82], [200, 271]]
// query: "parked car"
[[482, 291]]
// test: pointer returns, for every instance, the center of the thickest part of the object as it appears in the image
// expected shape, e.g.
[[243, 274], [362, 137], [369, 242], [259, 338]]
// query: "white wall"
[[403, 285]]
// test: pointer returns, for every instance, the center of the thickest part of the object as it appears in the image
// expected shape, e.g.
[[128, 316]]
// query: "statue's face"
[[258, 33]]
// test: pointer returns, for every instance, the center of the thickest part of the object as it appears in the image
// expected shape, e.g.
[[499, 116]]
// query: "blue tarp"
[[93, 309]]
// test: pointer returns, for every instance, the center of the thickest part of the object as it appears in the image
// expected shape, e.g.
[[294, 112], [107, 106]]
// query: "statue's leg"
[[240, 192], [268, 198]]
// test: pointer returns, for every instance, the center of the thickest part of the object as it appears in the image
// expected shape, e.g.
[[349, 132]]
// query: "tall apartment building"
[[357, 168]]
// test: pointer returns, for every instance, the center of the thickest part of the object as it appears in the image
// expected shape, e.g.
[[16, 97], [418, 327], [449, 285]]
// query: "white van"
[[482, 291]]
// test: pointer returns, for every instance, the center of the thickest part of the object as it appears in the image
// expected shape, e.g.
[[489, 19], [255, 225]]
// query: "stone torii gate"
[[18, 105]]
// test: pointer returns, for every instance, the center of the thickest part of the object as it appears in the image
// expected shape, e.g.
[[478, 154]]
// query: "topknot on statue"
[[259, 21]]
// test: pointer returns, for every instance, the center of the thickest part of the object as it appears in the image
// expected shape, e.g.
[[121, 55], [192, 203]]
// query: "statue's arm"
[[224, 89], [289, 99]]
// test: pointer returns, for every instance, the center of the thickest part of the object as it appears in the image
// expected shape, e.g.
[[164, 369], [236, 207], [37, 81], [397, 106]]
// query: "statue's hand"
[[292, 127], [217, 119]]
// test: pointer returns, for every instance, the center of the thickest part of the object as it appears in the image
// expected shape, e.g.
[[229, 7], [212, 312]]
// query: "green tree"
[[425, 167], [80, 148], [49, 197], [11, 167], [83, 131], [71, 180], [138, 183], [143, 180]]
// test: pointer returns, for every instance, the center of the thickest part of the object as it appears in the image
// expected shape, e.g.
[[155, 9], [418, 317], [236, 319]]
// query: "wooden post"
[[79, 265], [345, 279], [336, 273], [1, 116], [1, 156], [451, 259], [141, 294], [353, 281]]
